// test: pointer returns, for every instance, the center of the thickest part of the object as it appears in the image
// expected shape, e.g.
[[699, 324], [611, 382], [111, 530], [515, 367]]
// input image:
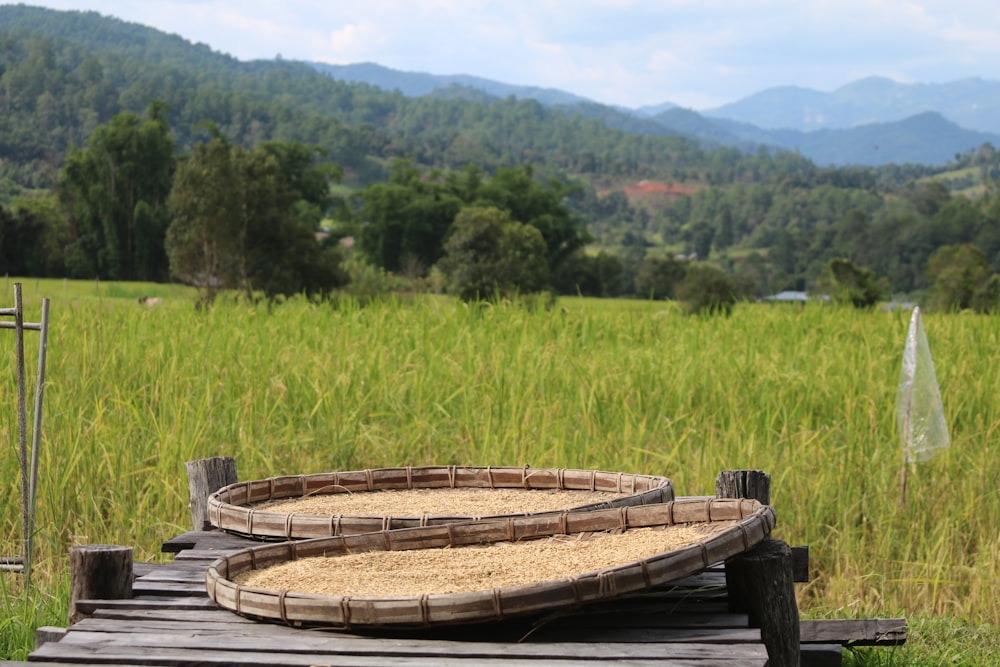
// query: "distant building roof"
[[787, 296], [791, 296]]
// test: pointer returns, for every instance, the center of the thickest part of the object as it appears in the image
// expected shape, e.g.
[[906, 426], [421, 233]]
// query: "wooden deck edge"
[[854, 632], [49, 633]]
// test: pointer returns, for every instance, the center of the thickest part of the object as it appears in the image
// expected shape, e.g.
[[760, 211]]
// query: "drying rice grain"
[[466, 569], [437, 502]]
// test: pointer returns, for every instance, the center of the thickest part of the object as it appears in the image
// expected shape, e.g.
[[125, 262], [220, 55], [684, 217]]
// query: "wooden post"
[[98, 572], [760, 582], [768, 592], [205, 477], [755, 484]]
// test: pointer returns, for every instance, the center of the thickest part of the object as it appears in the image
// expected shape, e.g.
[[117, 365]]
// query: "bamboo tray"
[[231, 508], [740, 524]]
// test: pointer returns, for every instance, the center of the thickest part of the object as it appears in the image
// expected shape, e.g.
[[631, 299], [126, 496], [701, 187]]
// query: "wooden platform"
[[171, 621]]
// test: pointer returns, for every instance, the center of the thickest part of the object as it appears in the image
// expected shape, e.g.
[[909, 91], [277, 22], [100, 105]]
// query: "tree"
[[598, 275], [237, 224], [986, 299], [32, 238], [957, 272], [706, 290], [489, 255], [406, 219], [115, 193], [516, 191], [203, 241], [658, 277], [859, 287]]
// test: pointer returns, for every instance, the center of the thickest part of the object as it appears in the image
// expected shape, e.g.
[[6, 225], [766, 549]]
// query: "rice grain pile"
[[473, 568], [463, 501]]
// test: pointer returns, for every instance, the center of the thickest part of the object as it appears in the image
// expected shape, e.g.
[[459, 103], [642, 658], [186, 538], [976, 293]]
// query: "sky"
[[698, 54]]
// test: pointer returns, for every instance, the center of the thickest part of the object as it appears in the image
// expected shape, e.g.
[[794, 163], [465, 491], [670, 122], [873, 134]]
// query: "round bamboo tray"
[[738, 525], [231, 508]]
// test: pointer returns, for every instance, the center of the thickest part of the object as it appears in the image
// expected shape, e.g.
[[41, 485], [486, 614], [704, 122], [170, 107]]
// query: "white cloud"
[[696, 53]]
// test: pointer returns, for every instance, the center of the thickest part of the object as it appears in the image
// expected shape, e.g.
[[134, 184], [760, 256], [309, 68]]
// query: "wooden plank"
[[272, 637], [204, 555], [177, 571], [161, 602], [326, 645], [140, 569], [99, 654], [718, 636], [169, 588], [190, 616], [694, 618], [206, 539], [855, 632]]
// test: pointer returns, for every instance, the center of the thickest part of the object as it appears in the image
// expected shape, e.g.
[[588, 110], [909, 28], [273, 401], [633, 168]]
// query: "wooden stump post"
[[755, 484], [760, 582], [768, 596], [205, 477], [98, 572]]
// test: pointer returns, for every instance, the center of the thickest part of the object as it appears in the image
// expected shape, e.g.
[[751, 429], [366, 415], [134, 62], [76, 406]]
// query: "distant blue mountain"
[[872, 121], [970, 103], [418, 84]]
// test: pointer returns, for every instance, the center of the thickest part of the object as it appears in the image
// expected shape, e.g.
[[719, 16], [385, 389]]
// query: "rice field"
[[633, 386]]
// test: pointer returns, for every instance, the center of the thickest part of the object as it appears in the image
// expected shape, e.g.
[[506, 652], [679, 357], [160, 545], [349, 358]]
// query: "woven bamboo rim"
[[231, 507], [750, 523]]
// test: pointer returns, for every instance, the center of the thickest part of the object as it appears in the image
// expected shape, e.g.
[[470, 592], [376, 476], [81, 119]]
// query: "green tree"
[[859, 287], [706, 290], [957, 273], [32, 238], [406, 219], [489, 255], [986, 298], [658, 277], [516, 191], [600, 275], [115, 192], [237, 224], [204, 239]]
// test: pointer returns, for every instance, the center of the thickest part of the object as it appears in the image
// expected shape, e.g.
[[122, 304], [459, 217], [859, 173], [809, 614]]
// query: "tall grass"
[[806, 394]]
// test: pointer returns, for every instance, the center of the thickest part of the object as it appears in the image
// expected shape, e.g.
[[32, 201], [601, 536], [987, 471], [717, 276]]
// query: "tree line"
[[127, 207], [770, 220]]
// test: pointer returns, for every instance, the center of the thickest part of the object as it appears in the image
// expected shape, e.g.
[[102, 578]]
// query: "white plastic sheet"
[[919, 411]]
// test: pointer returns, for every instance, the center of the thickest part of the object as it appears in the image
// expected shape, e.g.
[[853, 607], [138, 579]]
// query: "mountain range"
[[870, 122]]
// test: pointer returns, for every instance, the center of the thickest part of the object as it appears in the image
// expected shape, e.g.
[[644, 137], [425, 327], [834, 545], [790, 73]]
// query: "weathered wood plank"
[[717, 636], [178, 571], [694, 618], [850, 632], [205, 539], [236, 626], [331, 644], [100, 654], [169, 588], [164, 602], [192, 616]]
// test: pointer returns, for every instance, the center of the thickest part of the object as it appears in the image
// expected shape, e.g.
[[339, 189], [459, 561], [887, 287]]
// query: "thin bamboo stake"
[[22, 418], [36, 436]]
